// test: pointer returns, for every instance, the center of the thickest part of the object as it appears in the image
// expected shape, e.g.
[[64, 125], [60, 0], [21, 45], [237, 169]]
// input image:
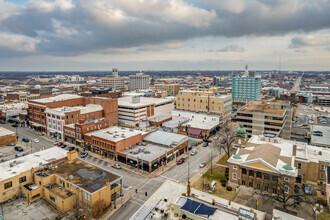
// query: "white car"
[[56, 143], [203, 164], [36, 141], [193, 153], [117, 166]]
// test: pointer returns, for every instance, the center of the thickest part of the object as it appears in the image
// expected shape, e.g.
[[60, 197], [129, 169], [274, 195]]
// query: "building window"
[[299, 166], [22, 179], [235, 167], [321, 176], [251, 173], [259, 175], [266, 187], [52, 199], [286, 189], [322, 167], [234, 176], [8, 185], [286, 179], [86, 196]]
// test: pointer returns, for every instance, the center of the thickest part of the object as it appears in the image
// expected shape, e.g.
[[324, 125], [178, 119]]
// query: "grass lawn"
[[223, 160], [217, 175]]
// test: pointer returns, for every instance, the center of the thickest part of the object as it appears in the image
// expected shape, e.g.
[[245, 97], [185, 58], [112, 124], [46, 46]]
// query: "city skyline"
[[84, 35]]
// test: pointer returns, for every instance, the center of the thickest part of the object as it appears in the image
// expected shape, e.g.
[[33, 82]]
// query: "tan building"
[[7, 136], [171, 89], [17, 96], [270, 118], [62, 179], [115, 83], [264, 160], [206, 102]]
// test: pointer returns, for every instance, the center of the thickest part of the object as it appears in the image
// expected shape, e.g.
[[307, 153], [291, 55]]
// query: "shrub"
[[223, 184], [99, 208], [229, 188]]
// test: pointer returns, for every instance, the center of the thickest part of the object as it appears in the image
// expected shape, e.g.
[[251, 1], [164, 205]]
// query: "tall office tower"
[[139, 81], [246, 88], [113, 81]]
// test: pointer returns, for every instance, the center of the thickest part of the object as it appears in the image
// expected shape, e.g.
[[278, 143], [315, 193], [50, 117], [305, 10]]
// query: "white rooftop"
[[127, 101], [83, 109], [5, 132], [34, 160], [58, 98], [200, 125], [323, 140], [115, 133]]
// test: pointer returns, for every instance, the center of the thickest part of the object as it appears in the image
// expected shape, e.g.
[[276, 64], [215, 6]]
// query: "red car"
[[180, 161], [59, 144]]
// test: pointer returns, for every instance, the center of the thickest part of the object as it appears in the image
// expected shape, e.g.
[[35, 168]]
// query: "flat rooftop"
[[323, 140], [261, 106], [83, 109], [84, 175], [58, 98], [34, 160], [127, 102], [148, 153], [200, 125], [115, 133], [165, 138], [5, 132]]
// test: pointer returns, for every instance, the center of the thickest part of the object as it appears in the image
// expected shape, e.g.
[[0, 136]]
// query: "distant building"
[[114, 82], [246, 88], [171, 89], [17, 96], [139, 81], [205, 102], [323, 100], [261, 117]]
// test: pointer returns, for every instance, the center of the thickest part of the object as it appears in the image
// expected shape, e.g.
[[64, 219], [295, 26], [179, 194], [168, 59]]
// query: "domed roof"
[[241, 132], [236, 156], [287, 167]]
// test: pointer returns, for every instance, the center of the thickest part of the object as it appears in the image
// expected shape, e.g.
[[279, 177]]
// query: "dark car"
[[71, 148], [25, 140], [18, 155], [11, 144], [306, 189], [14, 125], [83, 154], [18, 148], [205, 144], [63, 146], [180, 161], [207, 140]]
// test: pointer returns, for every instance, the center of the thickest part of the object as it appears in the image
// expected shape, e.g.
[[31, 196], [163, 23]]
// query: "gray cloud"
[[68, 28], [232, 48], [309, 40]]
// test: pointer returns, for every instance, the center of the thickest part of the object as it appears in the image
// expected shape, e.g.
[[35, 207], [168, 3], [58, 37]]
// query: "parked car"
[[215, 137], [18, 155], [63, 146], [25, 153], [181, 161], [1, 154], [203, 164], [83, 154], [205, 144], [193, 153], [306, 189], [116, 165], [207, 140], [18, 148], [14, 125], [36, 141], [59, 144], [3, 160], [56, 143], [71, 148], [11, 144], [25, 140]]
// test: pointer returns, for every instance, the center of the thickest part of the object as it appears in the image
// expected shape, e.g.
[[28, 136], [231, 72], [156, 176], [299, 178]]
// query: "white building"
[[139, 81], [133, 110]]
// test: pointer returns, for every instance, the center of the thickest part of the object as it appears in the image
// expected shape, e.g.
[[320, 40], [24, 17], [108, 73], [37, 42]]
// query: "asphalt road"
[[131, 180]]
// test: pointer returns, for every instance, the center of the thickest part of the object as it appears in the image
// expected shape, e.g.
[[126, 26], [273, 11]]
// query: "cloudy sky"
[[55, 35]]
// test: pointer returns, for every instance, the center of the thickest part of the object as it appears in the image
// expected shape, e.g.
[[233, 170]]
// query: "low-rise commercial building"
[[7, 136], [17, 96], [171, 89], [270, 118]]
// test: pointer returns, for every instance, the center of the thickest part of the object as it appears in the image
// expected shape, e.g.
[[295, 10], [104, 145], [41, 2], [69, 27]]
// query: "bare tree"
[[289, 194], [226, 140]]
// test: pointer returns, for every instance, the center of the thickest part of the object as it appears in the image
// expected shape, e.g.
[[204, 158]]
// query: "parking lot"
[[9, 152]]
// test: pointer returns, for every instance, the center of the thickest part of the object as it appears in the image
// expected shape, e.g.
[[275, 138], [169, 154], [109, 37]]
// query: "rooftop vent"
[[320, 153]]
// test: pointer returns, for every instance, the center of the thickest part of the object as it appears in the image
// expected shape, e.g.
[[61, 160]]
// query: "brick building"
[[37, 108]]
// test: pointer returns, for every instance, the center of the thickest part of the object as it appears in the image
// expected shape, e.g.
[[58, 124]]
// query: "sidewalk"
[[119, 203]]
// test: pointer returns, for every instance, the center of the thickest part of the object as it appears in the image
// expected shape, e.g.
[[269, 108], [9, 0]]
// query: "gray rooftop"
[[165, 138]]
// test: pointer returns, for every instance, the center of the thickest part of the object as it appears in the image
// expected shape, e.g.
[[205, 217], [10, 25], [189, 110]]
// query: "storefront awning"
[[194, 131]]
